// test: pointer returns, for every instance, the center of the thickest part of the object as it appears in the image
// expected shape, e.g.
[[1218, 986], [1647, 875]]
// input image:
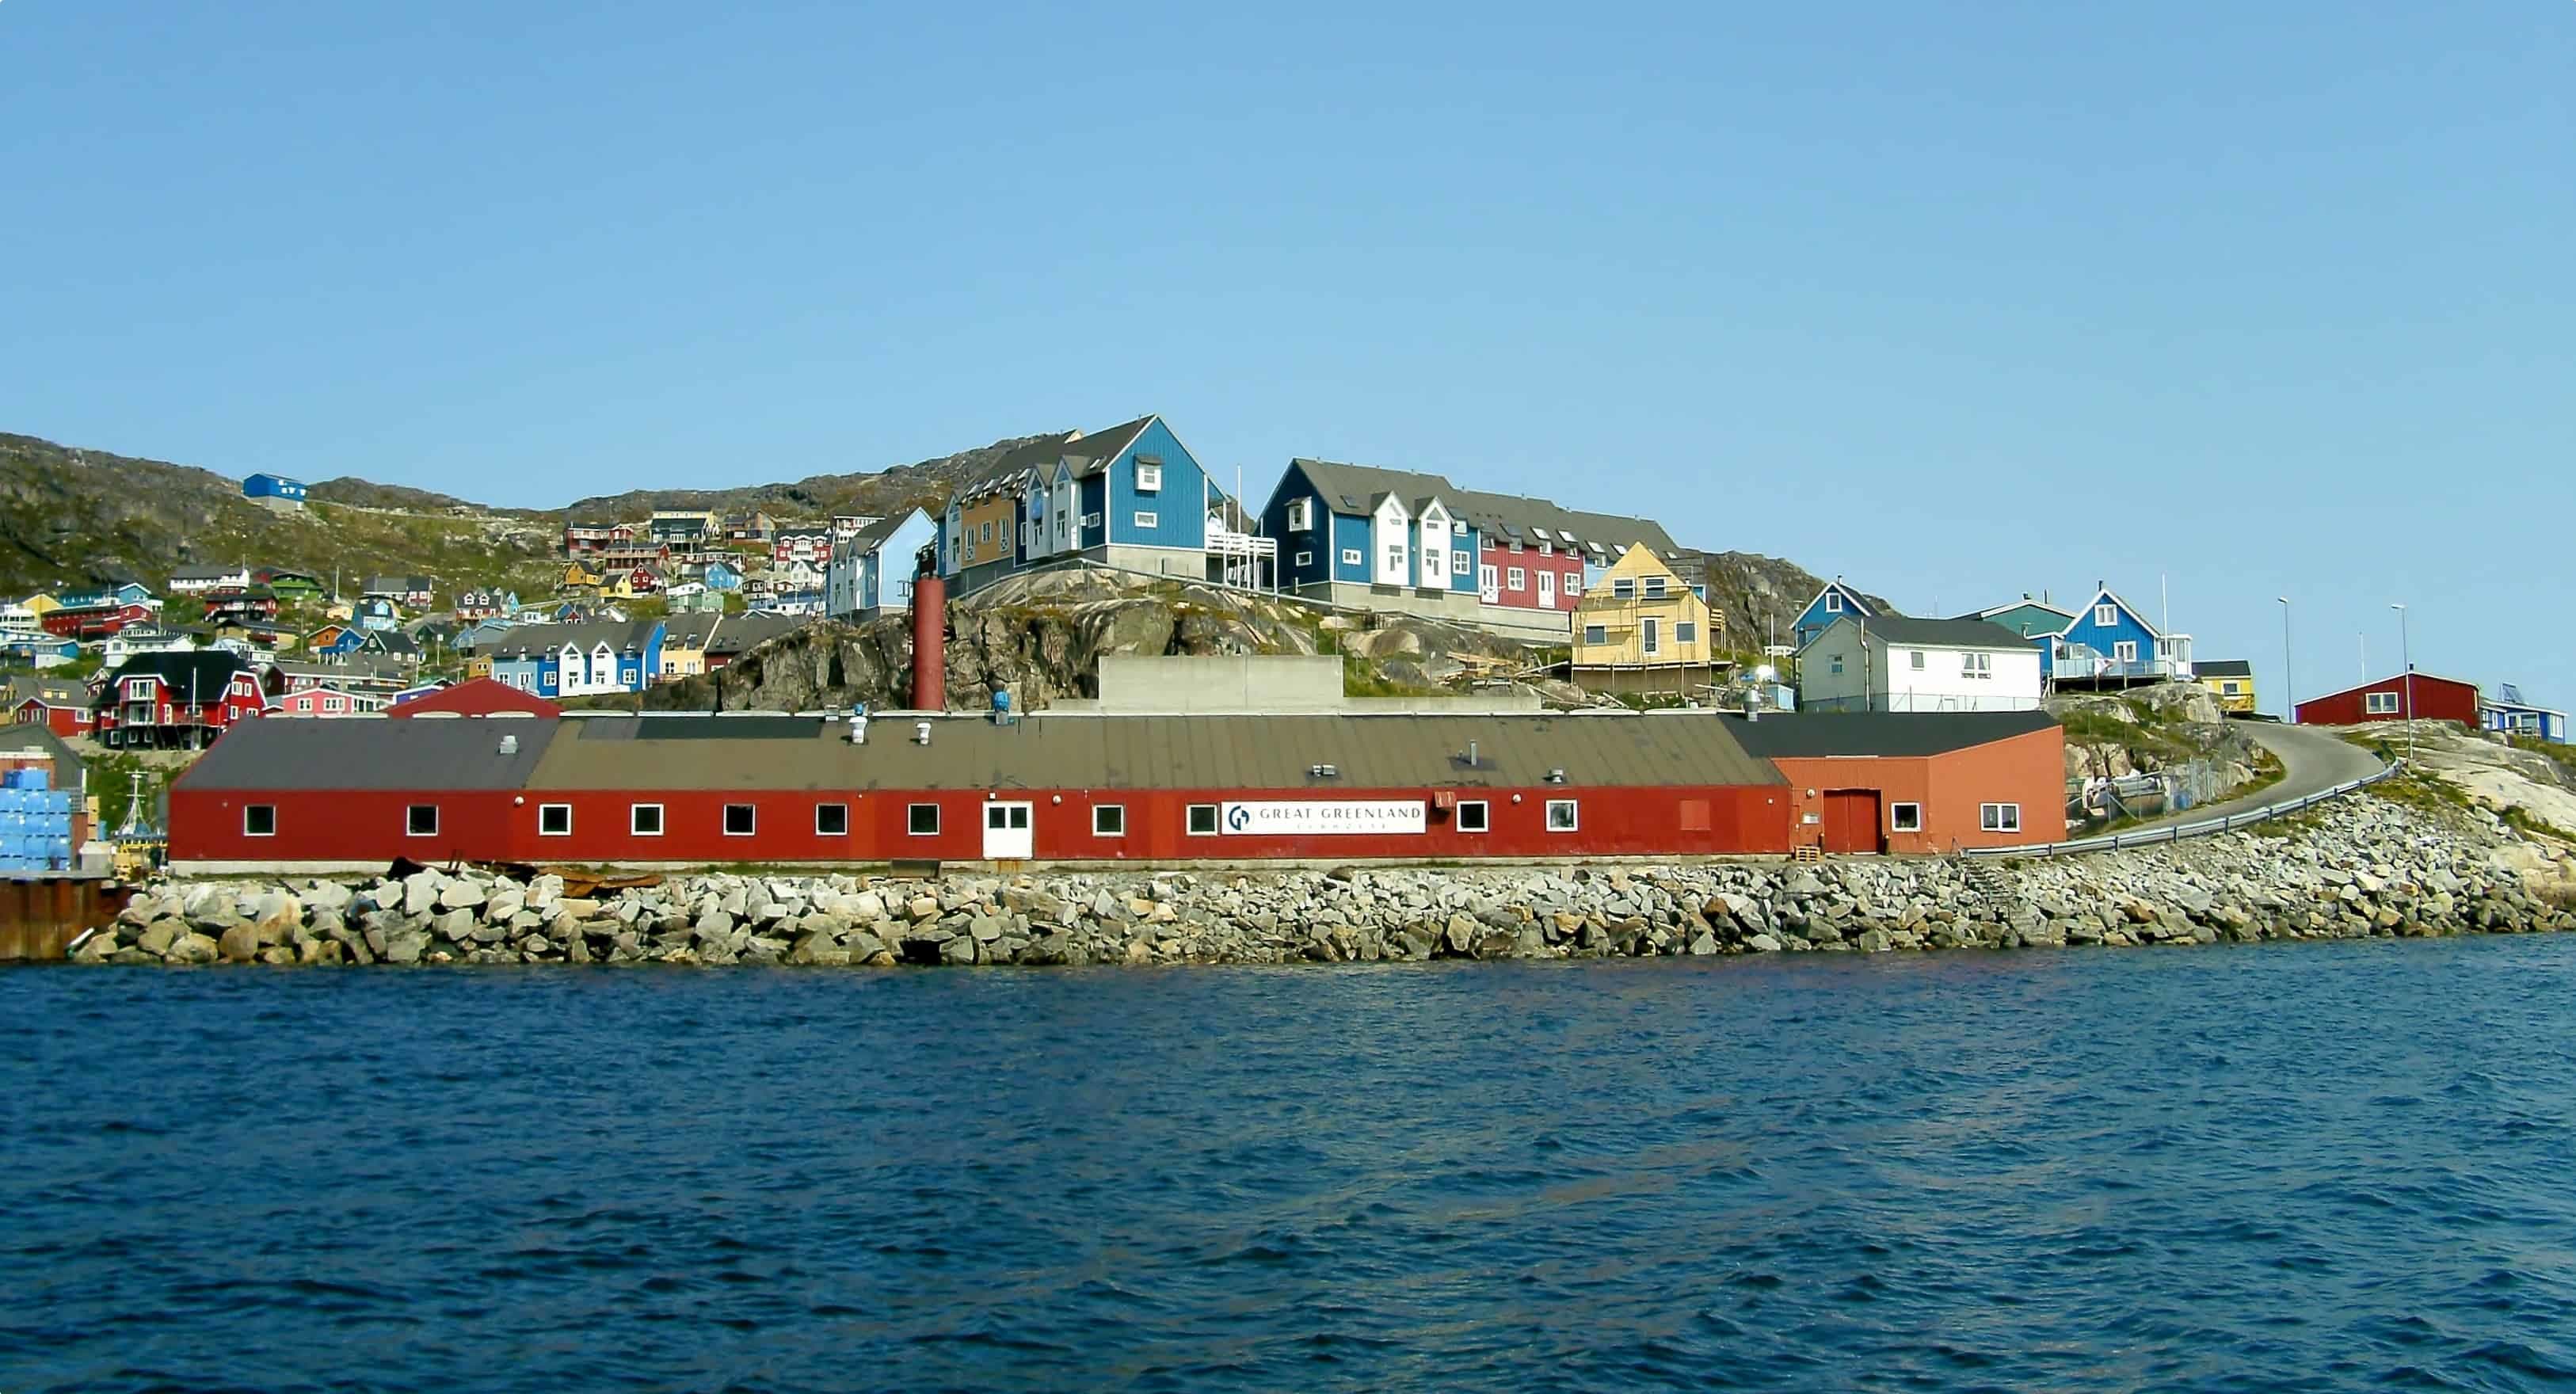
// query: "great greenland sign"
[[1312, 819]]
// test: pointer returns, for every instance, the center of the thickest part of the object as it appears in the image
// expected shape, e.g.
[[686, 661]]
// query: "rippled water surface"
[[2310, 1166]]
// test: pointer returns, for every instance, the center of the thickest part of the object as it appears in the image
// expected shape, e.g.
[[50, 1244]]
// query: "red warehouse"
[[1079, 789], [2435, 699], [1906, 782]]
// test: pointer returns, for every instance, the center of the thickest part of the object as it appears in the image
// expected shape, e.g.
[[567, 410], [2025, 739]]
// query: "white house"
[[195, 580], [871, 569], [1887, 663]]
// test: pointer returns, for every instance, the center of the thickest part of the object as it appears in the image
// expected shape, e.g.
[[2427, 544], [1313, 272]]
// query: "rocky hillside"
[[2170, 728], [1042, 636], [1762, 596], [926, 484]]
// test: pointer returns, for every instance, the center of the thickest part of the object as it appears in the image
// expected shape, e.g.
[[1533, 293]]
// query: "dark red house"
[[98, 621], [478, 697], [178, 700], [700, 790], [2435, 699]]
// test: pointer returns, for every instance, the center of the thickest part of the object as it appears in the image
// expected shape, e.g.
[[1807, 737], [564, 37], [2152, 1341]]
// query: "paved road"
[[2313, 760]]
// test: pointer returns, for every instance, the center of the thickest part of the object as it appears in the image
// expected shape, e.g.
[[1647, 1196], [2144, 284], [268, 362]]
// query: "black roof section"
[[1809, 735], [203, 671], [2223, 668], [370, 753], [1957, 634]]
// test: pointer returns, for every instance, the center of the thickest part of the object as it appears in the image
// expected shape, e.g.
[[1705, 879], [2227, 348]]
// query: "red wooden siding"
[[2436, 699]]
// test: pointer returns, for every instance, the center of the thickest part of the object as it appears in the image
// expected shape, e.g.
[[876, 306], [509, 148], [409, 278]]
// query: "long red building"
[[697, 790], [2433, 699]]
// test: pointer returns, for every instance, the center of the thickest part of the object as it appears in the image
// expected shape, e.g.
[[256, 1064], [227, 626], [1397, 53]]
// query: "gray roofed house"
[[1013, 471], [532, 640], [1953, 634], [733, 635]]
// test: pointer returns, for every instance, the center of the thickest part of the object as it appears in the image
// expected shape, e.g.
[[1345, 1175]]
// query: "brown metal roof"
[[1158, 752]]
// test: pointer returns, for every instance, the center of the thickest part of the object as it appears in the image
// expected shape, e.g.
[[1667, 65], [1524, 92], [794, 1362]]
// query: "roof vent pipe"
[[510, 745], [921, 733], [1471, 755]]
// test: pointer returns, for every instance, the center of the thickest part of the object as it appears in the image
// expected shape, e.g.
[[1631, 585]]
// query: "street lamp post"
[[2406, 654], [2289, 706]]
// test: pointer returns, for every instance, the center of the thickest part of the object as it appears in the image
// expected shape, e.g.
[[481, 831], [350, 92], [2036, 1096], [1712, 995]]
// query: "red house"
[[182, 699], [2434, 699], [480, 697], [60, 707], [98, 621]]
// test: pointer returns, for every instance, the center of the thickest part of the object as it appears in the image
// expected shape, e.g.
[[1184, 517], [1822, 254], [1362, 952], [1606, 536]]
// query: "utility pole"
[[2406, 652], [2289, 704]]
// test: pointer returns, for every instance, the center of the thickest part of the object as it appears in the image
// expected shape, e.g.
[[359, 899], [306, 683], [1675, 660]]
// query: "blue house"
[[2112, 643], [107, 598], [721, 576], [1131, 497], [1832, 603], [274, 490], [334, 640], [1357, 534], [2508, 713], [39, 650], [377, 614], [2026, 617], [579, 660], [870, 571]]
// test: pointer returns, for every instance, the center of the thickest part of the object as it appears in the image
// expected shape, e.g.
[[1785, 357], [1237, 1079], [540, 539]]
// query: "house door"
[[1546, 589], [1851, 820], [1006, 832]]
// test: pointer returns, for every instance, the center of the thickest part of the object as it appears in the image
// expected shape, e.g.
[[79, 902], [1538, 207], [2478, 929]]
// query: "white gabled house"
[[1888, 663]]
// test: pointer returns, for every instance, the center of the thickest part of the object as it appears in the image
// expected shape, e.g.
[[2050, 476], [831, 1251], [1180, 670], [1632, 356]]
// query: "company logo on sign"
[[1303, 819]]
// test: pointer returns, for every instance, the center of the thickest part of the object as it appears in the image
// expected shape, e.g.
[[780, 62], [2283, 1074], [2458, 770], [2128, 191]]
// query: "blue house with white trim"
[[2112, 643], [1832, 603], [2507, 713], [274, 491], [1360, 535], [579, 660], [1131, 497]]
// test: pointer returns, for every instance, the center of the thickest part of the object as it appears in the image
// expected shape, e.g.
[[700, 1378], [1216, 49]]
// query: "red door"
[[1851, 820]]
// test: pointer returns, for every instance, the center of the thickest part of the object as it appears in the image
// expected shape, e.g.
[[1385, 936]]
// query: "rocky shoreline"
[[2359, 868]]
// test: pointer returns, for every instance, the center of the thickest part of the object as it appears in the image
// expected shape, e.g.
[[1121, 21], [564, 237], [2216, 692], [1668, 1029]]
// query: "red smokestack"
[[929, 644]]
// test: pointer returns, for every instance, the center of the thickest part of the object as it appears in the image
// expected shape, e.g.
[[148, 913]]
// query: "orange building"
[[1918, 783]]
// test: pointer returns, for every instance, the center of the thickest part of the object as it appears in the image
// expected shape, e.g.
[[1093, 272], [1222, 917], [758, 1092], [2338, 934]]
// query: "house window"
[[1305, 558], [1459, 562], [1473, 817], [1458, 527], [1685, 631], [739, 820], [988, 530], [2125, 651], [644, 819], [2106, 616], [1905, 817], [1838, 664], [1573, 583], [1976, 665], [259, 820], [1917, 663], [1654, 588], [554, 820], [1596, 634], [1109, 820], [1833, 602], [1623, 587], [1651, 630], [921, 819], [1560, 815], [1202, 820], [1091, 520], [1149, 478], [1515, 579], [2230, 688], [1395, 558], [2380, 703], [1149, 520], [1350, 556], [1301, 514], [831, 820], [421, 820], [1999, 817]]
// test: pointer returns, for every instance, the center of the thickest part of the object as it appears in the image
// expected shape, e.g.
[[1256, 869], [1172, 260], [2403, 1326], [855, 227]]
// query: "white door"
[[1546, 589], [1489, 584], [1006, 832]]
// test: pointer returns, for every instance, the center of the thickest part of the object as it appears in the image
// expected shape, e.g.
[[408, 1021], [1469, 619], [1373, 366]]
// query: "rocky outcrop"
[[2361, 867], [2152, 730]]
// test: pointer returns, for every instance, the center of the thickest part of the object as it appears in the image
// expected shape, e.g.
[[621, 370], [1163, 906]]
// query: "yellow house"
[[40, 605], [579, 577], [684, 645], [1640, 628], [478, 666], [2231, 678]]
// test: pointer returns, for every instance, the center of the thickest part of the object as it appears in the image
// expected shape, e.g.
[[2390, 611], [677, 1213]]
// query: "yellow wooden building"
[[2232, 679], [1641, 628]]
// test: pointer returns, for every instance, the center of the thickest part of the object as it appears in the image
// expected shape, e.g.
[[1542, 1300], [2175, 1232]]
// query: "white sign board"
[[1307, 819]]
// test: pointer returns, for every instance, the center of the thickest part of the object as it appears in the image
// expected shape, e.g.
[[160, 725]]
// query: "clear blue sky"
[[1957, 300]]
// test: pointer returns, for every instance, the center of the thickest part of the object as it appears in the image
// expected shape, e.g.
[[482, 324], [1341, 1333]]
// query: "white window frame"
[[1905, 817], [1833, 602], [911, 815], [1573, 816], [1623, 588], [1515, 579], [1353, 556], [1190, 820], [544, 809], [1979, 666], [409, 830], [1654, 588], [2105, 615], [1459, 562], [1999, 817], [1117, 813], [635, 820], [1305, 559], [1149, 478], [1091, 520], [1573, 583], [1301, 514], [250, 808], [820, 830], [1915, 659], [2124, 651], [724, 820], [1484, 816], [1838, 664], [1143, 519], [2382, 704]]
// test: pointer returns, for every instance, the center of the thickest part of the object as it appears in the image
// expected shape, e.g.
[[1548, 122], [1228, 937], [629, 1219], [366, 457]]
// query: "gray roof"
[[1011, 471], [1943, 634], [281, 752], [736, 633], [396, 585], [875, 535], [70, 769], [1502, 518], [528, 639], [1157, 752], [60, 692], [2222, 668], [1809, 735]]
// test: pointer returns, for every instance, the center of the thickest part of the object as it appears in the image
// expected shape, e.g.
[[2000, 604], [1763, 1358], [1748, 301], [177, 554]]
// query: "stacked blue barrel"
[[35, 822]]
